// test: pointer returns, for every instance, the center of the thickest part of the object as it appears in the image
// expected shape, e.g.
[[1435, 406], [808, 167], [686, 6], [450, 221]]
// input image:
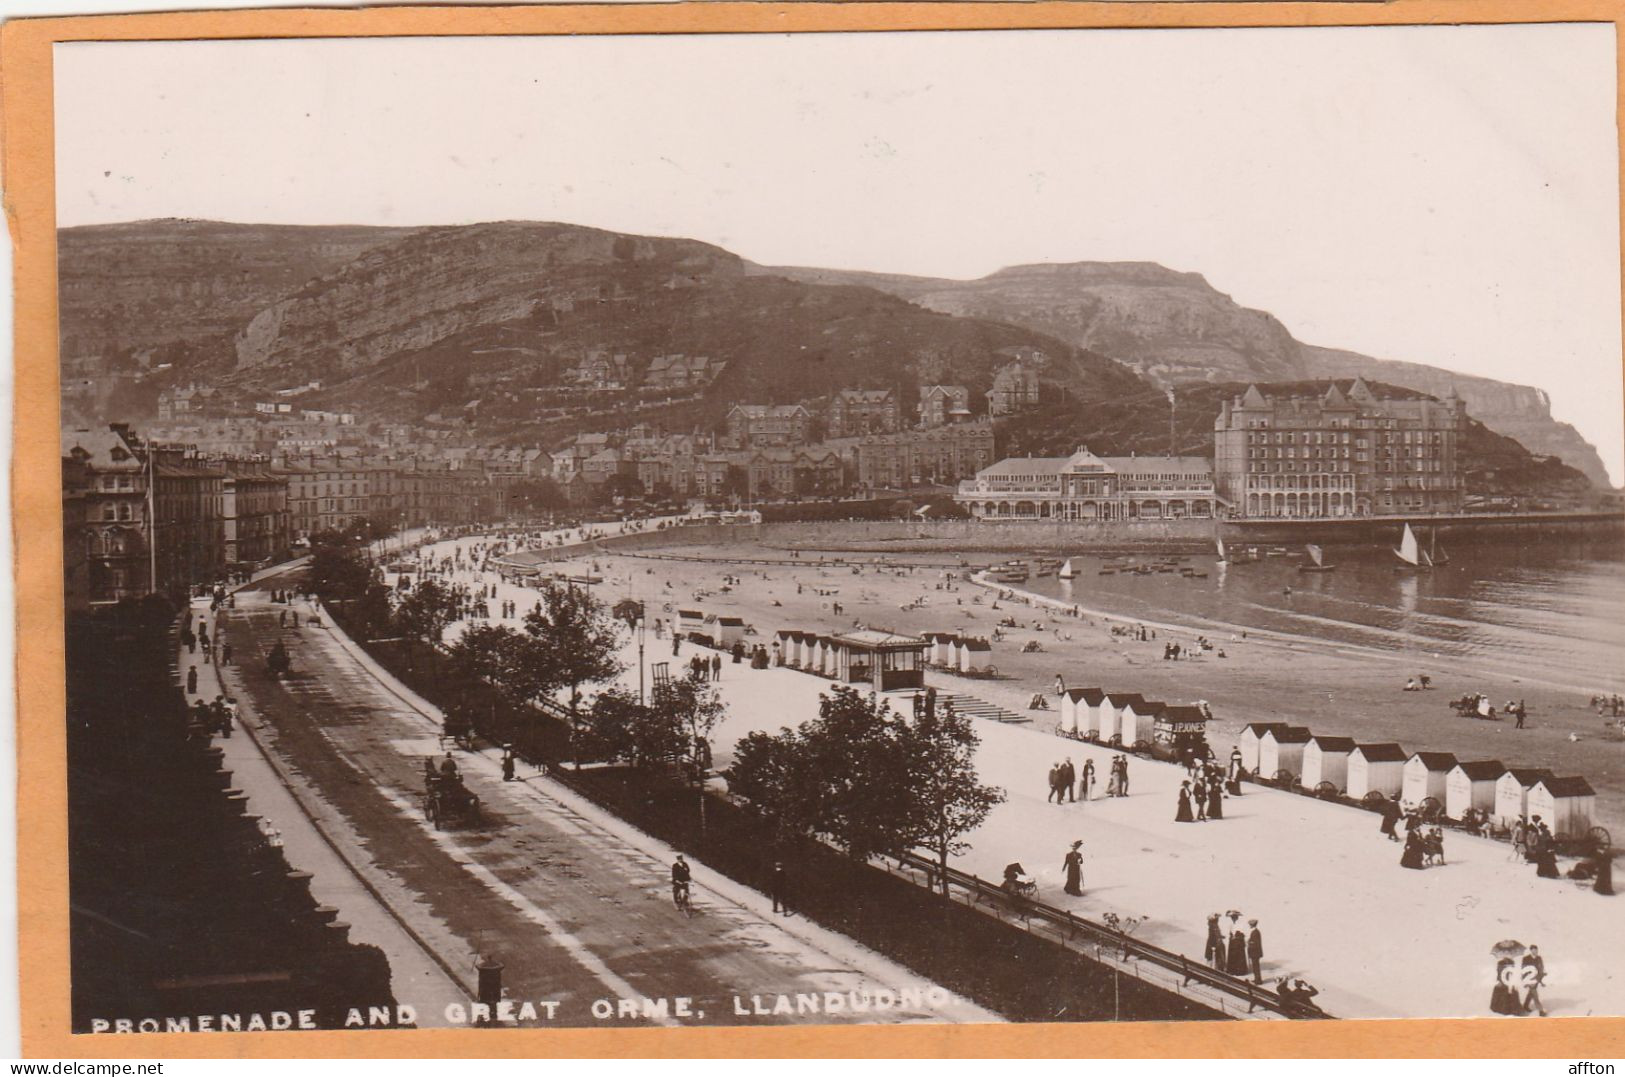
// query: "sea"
[[1552, 614]]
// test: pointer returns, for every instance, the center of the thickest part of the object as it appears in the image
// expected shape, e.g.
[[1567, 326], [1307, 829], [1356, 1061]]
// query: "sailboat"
[[1223, 557], [1410, 553], [1436, 555], [1318, 558], [1067, 571]]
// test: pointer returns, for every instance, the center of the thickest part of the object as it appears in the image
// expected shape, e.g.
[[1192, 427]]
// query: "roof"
[[1334, 744], [1381, 753], [1027, 465], [1290, 734], [975, 644], [1529, 776], [1149, 706], [1258, 729], [868, 637], [870, 396], [1091, 696], [1159, 465], [1435, 760], [690, 613], [1183, 712], [1568, 787], [1124, 699], [1482, 770], [730, 620]]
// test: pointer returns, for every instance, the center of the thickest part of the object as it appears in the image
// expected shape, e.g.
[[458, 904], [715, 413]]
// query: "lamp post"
[[643, 629]]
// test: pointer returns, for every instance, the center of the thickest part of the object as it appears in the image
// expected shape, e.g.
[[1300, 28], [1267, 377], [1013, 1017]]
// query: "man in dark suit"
[[1255, 951], [1533, 960]]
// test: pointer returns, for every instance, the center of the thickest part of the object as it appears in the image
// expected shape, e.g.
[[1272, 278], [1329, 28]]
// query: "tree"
[[425, 612], [579, 640], [622, 486], [339, 569], [948, 801]]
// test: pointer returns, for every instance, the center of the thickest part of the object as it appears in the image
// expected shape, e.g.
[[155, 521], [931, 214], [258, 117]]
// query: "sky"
[[1445, 195]]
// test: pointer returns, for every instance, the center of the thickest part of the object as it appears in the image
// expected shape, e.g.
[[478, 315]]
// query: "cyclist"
[[680, 876]]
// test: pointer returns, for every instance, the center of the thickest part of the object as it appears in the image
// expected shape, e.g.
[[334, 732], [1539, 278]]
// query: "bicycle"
[[679, 898]]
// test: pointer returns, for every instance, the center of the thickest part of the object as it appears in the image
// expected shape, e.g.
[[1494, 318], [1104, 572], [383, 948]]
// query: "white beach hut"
[[941, 652], [1138, 722], [1251, 734], [1512, 793], [1376, 768], [1281, 750], [1472, 785], [975, 656], [1112, 709], [692, 622], [786, 640], [1326, 760], [1564, 804], [730, 630], [1425, 777], [1090, 708], [1073, 709]]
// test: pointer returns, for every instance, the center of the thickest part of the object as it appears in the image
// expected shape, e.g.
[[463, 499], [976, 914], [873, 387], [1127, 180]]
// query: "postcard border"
[[26, 126]]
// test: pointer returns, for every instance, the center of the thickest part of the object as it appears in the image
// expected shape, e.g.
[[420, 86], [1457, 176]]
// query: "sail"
[[1427, 562], [1222, 555], [1067, 571], [1315, 554], [1408, 551]]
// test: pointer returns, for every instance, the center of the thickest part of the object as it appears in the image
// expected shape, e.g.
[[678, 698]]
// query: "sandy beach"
[[1332, 688]]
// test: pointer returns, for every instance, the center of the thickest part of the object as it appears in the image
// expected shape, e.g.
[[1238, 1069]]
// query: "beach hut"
[[1376, 768], [942, 649], [1178, 729], [1425, 777], [886, 660], [1112, 709], [730, 630], [1088, 707], [1472, 785], [1070, 706], [1138, 724], [975, 656], [786, 640], [1512, 794], [691, 623], [1251, 734], [1280, 750], [1564, 804], [1326, 761]]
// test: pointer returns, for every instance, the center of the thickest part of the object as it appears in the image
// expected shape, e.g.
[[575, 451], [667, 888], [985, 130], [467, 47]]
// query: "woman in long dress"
[[1503, 998], [1184, 814], [1412, 857], [1236, 961], [1215, 800], [1087, 779], [1214, 951]]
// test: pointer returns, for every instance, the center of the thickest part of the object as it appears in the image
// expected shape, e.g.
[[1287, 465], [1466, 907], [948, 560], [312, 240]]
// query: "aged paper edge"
[[26, 102]]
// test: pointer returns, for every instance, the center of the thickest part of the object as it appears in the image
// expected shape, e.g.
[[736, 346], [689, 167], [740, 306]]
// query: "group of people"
[[205, 720], [1424, 843], [1234, 950], [1200, 799], [1535, 843], [702, 668], [1517, 985], [1069, 784], [1611, 705]]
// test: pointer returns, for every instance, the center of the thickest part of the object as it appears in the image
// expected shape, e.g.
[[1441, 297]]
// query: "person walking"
[[716, 667], [1069, 776], [1215, 798], [1086, 779], [1520, 839], [780, 889], [1122, 766], [1183, 815], [1054, 784], [1073, 866], [507, 762], [225, 654], [1255, 951], [1534, 981], [1199, 799], [1390, 818], [191, 680]]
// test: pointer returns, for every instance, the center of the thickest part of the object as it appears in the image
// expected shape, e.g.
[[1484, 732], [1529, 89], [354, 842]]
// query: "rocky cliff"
[[1175, 328]]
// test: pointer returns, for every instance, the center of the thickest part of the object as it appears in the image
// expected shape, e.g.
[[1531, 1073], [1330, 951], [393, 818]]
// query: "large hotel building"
[[1337, 454]]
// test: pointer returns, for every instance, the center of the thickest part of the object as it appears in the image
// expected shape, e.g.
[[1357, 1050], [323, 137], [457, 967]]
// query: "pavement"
[[1333, 904], [574, 903]]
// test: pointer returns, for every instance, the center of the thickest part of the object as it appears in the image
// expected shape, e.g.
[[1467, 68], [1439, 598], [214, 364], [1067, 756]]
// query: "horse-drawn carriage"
[[448, 802], [459, 729], [277, 662]]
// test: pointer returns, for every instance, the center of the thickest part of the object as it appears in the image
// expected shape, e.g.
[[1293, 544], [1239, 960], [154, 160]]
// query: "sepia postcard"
[[820, 529]]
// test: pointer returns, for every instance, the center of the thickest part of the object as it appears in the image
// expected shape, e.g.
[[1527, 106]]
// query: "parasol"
[[1508, 948]]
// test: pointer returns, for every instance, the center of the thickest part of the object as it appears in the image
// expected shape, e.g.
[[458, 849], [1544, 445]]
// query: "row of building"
[[1337, 454]]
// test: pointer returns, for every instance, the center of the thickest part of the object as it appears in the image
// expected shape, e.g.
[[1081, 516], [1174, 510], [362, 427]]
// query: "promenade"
[[1334, 905]]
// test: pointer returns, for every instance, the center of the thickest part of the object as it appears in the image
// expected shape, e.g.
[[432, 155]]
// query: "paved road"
[[573, 902]]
